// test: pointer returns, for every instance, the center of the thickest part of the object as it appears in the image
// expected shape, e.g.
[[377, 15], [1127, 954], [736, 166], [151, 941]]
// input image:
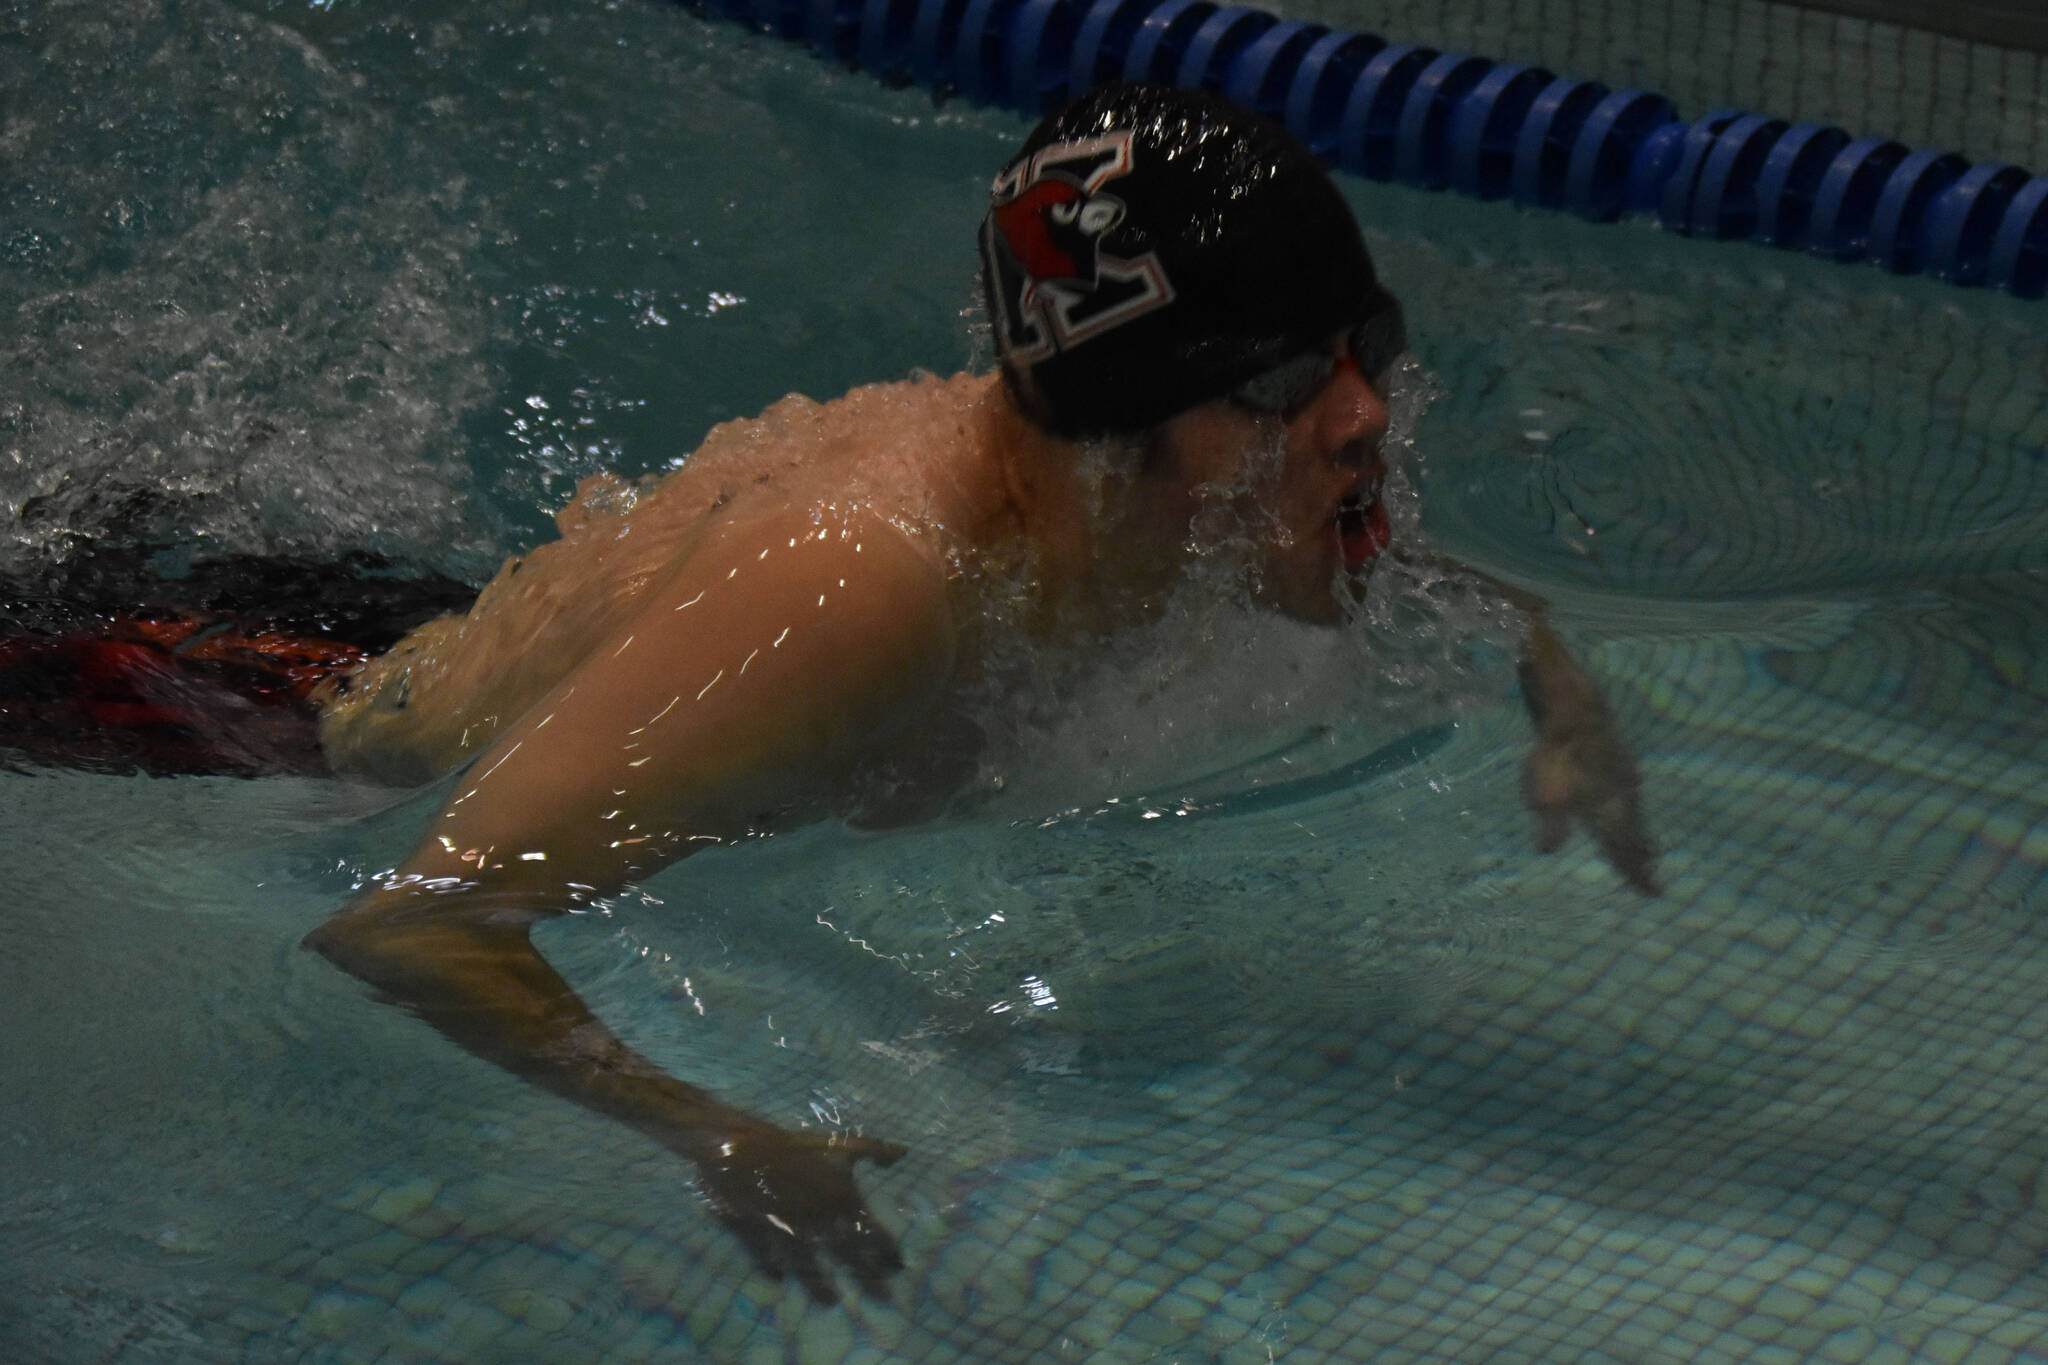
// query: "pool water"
[[1243, 1022]]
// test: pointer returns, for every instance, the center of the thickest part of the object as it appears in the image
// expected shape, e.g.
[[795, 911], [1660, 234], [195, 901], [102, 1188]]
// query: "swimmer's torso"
[[912, 454]]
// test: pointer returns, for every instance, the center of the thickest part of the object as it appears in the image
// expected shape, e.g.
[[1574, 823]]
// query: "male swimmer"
[[794, 624]]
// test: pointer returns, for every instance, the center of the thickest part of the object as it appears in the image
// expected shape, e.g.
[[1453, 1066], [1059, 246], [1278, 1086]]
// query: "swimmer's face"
[[1298, 489]]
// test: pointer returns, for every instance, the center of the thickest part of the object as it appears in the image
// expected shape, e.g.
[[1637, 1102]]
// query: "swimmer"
[[796, 624]]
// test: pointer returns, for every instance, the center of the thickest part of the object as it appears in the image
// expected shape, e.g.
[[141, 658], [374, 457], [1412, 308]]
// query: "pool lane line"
[[1415, 115]]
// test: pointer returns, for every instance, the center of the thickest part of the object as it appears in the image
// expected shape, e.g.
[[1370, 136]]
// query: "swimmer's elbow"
[[354, 942]]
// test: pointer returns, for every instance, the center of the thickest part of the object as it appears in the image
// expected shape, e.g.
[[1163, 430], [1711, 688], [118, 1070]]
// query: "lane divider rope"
[[1435, 120]]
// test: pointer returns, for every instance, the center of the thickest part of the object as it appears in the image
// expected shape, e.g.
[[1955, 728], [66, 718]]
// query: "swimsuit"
[[211, 673]]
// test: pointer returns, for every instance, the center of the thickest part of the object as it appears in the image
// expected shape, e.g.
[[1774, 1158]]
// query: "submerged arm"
[[1581, 769], [464, 963], [778, 655]]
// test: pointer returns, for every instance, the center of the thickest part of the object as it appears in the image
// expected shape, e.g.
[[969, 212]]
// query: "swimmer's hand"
[[1581, 770], [789, 1196], [465, 963]]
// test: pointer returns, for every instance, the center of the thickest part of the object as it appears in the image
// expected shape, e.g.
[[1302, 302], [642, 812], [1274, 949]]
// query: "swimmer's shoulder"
[[916, 446], [868, 437]]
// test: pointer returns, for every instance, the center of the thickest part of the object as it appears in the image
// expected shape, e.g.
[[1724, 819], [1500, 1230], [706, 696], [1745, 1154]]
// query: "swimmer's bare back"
[[917, 451], [790, 647], [787, 637]]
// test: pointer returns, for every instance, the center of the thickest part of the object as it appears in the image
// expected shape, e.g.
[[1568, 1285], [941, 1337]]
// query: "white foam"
[[258, 335]]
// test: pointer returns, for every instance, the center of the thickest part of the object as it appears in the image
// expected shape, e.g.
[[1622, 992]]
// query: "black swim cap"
[[1152, 248]]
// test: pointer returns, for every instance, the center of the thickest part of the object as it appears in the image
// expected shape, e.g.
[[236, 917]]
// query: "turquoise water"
[[1244, 1024]]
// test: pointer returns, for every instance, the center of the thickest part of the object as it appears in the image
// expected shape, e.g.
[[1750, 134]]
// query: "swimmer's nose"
[[1348, 418]]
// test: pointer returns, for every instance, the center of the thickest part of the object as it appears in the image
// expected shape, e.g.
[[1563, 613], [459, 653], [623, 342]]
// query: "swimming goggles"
[[1373, 345]]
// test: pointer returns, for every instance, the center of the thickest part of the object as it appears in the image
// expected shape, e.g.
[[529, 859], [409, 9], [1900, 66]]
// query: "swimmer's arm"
[[464, 964], [1581, 770], [776, 657]]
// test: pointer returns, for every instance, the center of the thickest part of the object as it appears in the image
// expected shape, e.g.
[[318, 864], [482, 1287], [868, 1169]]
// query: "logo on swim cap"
[[1052, 282]]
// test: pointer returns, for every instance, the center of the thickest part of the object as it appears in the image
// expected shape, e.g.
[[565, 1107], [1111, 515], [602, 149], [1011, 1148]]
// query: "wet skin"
[[803, 636], [1291, 502]]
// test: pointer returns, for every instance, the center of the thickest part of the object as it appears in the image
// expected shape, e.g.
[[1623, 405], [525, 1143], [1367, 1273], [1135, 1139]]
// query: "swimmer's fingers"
[[1532, 675], [1581, 771], [1590, 778], [790, 1196], [865, 1247], [1562, 783], [1548, 785], [1615, 819], [847, 1229]]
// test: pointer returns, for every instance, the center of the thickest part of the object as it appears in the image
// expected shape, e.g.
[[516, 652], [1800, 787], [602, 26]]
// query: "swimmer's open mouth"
[[1363, 528]]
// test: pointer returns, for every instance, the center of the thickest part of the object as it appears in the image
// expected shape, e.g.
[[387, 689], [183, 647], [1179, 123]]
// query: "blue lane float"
[[1790, 179], [1546, 140], [1485, 127], [1260, 77], [1436, 120]]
